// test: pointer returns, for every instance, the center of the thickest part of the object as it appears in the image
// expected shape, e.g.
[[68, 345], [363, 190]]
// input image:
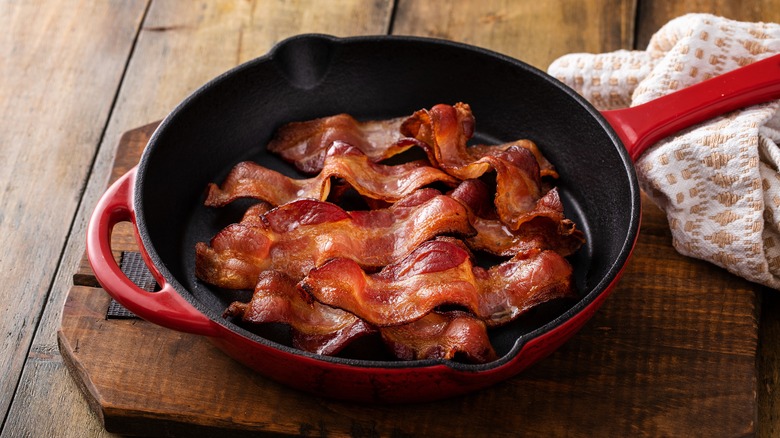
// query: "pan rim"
[[588, 297]]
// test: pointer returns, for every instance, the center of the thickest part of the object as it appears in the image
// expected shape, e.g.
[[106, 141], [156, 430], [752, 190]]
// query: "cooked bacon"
[[251, 180], [441, 335], [545, 167], [548, 229], [375, 181], [446, 130], [304, 144], [392, 269], [437, 273], [518, 186], [300, 235], [539, 233], [316, 328], [321, 329], [256, 211]]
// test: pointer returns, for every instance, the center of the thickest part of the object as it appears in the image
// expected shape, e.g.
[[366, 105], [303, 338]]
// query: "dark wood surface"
[[675, 343]]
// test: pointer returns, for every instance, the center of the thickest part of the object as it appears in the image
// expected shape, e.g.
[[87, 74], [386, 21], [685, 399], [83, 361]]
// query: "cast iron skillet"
[[232, 117]]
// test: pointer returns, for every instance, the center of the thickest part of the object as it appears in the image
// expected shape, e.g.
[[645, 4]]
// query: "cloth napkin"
[[717, 182]]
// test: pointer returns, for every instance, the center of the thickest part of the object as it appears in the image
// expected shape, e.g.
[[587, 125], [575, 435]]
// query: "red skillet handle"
[[166, 307], [641, 126]]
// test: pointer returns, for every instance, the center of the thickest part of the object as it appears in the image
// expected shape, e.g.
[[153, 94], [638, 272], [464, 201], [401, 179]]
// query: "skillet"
[[232, 118]]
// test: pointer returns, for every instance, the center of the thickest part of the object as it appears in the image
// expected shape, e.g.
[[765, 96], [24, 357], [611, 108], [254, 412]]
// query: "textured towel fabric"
[[717, 182]]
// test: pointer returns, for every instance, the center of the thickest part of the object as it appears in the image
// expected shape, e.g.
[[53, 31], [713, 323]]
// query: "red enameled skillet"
[[232, 117]]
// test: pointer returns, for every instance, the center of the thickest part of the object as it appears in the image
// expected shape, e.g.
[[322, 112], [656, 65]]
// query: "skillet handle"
[[642, 126], [166, 307]]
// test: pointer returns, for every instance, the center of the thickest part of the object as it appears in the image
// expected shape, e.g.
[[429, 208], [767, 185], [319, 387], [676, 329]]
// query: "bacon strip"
[[334, 255], [446, 130], [546, 169], [321, 329], [547, 230], [304, 144], [440, 272], [441, 335], [251, 180], [300, 235], [375, 181], [325, 330], [316, 328]]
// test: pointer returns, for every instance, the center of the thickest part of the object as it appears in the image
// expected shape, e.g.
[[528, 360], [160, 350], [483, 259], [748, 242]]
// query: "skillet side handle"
[[166, 307], [642, 126]]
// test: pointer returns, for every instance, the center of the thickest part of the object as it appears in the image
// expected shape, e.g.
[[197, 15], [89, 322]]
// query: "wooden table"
[[76, 75]]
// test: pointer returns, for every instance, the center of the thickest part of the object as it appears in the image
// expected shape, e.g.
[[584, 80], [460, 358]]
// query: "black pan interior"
[[233, 117]]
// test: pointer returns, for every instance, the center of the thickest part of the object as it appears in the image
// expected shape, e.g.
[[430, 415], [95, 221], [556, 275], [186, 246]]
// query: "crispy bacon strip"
[[518, 185], [375, 181], [300, 235], [304, 144], [441, 335], [549, 229], [545, 167], [440, 272], [316, 328], [446, 130], [251, 180], [321, 329]]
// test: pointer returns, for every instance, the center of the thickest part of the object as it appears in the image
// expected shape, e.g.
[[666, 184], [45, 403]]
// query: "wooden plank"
[[536, 32], [769, 367], [54, 406], [181, 45], [57, 84], [654, 14]]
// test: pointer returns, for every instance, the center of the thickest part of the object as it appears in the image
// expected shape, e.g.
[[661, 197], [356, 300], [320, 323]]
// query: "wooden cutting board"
[[672, 351]]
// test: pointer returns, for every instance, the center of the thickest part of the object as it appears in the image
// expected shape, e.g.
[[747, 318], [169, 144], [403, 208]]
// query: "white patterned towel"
[[717, 182]]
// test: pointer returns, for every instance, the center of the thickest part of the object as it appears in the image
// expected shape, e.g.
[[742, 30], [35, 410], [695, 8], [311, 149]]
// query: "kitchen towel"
[[717, 182]]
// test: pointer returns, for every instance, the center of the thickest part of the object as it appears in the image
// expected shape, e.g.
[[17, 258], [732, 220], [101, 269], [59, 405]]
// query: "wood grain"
[[653, 15], [60, 80], [769, 366], [536, 32], [57, 84], [180, 46]]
